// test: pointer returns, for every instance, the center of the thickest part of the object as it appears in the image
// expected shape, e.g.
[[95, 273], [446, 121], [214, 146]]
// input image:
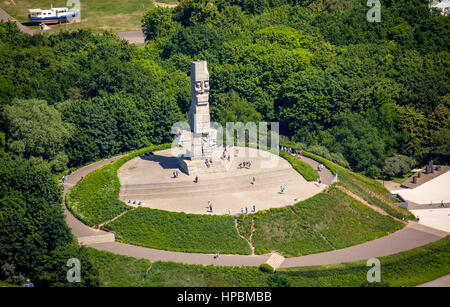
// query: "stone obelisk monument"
[[200, 141], [204, 138]]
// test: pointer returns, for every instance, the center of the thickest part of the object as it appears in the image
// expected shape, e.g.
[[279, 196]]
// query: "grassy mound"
[[326, 221], [370, 190], [96, 198], [329, 220], [178, 231], [408, 268]]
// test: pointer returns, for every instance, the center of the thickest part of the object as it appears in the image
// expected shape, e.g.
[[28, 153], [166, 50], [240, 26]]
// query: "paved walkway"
[[85, 234], [325, 175], [413, 235], [5, 17], [438, 218], [133, 37], [444, 281], [432, 191]]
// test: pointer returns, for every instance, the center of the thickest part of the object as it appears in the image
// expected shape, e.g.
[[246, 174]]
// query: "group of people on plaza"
[[246, 164], [208, 162], [292, 151], [134, 202], [244, 210]]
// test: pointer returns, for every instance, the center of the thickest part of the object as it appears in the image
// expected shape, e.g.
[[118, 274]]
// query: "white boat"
[[53, 15]]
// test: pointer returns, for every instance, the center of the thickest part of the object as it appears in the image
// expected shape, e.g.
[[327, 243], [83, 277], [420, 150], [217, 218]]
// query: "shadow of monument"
[[164, 161]]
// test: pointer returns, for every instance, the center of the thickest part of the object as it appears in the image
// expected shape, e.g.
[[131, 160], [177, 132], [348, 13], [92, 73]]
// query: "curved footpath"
[[411, 236]]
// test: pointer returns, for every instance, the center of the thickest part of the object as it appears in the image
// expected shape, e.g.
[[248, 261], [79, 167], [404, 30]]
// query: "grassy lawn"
[[408, 268], [326, 221], [5, 284], [96, 198], [98, 15], [179, 231], [370, 190]]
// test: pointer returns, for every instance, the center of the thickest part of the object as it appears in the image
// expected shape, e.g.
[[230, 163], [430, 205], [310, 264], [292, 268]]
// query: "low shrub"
[[306, 170], [266, 268]]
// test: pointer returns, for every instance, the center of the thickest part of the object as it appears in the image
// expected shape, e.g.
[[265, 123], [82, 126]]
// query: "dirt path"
[[163, 4], [353, 195], [249, 240], [115, 218]]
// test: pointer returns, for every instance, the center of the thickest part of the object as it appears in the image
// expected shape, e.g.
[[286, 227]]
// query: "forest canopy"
[[367, 90]]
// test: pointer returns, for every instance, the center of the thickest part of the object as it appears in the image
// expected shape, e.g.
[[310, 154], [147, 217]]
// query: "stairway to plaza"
[[231, 184]]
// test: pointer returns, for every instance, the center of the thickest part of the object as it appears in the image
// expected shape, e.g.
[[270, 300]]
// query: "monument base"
[[199, 166]]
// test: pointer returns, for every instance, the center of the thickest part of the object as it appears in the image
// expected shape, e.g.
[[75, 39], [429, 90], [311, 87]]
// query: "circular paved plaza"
[[149, 180]]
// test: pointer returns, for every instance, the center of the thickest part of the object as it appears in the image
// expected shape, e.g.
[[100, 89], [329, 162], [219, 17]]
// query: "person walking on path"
[[217, 255], [253, 180], [282, 189], [254, 208], [246, 210]]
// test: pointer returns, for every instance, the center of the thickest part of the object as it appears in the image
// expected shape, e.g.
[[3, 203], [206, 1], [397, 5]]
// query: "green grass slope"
[[408, 268], [96, 198], [370, 190], [178, 231], [329, 220]]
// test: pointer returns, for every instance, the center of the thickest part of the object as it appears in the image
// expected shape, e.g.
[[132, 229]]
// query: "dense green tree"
[[397, 165], [308, 102], [32, 221], [296, 62], [194, 41], [55, 270], [157, 23], [36, 129], [95, 132], [230, 107], [192, 12], [414, 127], [440, 150], [2, 141], [357, 140]]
